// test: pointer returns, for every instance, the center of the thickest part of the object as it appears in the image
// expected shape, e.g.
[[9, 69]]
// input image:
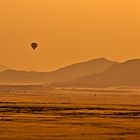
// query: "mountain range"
[[121, 74], [99, 72], [61, 75]]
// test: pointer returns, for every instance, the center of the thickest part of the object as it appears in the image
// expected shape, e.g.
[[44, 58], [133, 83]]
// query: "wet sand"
[[41, 113]]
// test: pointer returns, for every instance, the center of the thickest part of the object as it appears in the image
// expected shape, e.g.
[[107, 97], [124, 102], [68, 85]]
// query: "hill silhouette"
[[3, 68], [121, 74], [63, 74]]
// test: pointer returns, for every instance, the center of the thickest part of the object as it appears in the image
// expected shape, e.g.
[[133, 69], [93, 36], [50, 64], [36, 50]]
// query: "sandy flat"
[[41, 113]]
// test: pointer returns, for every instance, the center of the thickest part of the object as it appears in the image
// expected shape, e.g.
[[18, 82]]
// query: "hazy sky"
[[67, 31]]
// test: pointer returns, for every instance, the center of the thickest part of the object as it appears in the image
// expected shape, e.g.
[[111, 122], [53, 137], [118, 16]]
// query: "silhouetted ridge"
[[3, 68], [133, 61], [123, 74], [63, 74]]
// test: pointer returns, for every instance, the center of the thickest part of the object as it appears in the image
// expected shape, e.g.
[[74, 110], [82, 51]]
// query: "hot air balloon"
[[34, 45]]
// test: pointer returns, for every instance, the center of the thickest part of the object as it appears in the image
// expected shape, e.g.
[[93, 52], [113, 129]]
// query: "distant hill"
[[82, 69], [3, 68], [123, 74], [63, 74]]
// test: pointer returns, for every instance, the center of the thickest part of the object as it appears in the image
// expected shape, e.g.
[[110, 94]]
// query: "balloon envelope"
[[34, 45]]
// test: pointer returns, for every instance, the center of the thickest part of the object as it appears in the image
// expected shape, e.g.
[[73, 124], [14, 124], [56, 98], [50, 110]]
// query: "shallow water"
[[40, 113]]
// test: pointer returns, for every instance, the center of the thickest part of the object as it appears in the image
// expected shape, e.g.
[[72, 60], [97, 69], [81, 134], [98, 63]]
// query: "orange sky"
[[67, 31]]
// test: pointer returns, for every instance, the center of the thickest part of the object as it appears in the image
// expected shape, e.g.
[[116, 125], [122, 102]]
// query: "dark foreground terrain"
[[41, 113]]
